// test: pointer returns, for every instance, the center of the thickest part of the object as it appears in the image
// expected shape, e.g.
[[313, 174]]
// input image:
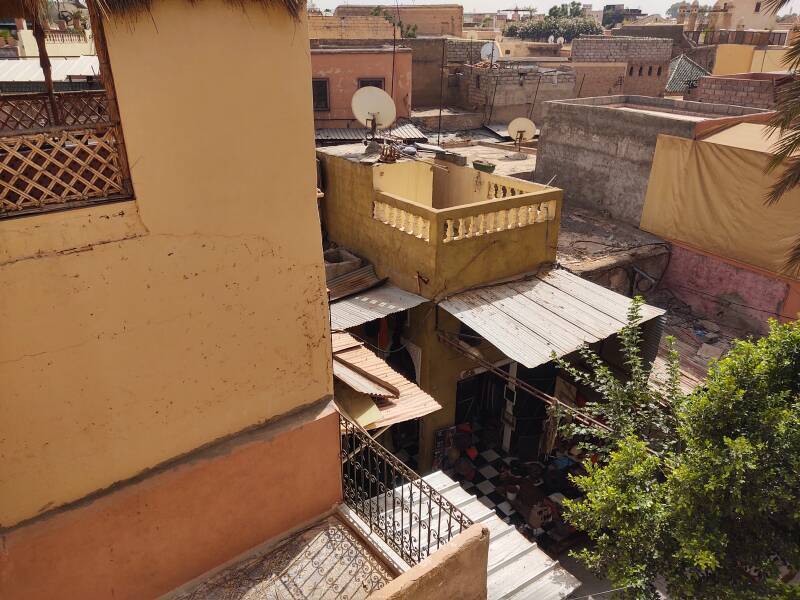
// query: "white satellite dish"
[[560, 40], [551, 39], [490, 51], [373, 108], [521, 130]]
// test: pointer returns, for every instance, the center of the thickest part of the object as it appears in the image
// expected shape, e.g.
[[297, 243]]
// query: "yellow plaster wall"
[[769, 59], [733, 58], [128, 340], [432, 268], [411, 180]]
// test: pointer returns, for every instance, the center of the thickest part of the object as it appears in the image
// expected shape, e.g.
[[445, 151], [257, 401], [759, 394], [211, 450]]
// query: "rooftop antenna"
[[374, 109], [490, 51], [521, 130]]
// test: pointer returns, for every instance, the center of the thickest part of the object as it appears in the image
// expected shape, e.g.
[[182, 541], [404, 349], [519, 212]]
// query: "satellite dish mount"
[[521, 130]]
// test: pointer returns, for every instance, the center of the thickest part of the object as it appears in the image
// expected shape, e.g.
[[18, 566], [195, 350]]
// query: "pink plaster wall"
[[149, 537], [344, 68], [726, 291]]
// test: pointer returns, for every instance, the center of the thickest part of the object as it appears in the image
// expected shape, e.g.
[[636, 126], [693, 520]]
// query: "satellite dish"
[[490, 51], [521, 130], [560, 40], [373, 108], [551, 39]]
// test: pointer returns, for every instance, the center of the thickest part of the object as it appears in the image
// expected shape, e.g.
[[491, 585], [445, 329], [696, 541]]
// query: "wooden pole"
[[107, 77], [44, 62]]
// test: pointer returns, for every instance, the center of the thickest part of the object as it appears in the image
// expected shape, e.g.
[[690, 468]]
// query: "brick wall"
[[739, 92], [600, 48], [349, 28]]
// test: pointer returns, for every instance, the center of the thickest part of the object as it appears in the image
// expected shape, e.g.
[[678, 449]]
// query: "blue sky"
[[647, 6]]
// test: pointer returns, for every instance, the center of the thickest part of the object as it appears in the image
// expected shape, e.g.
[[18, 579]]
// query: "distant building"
[[727, 15], [430, 19], [606, 65], [614, 14], [367, 27], [743, 89], [337, 73]]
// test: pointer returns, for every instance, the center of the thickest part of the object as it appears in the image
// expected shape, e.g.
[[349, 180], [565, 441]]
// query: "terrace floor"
[[326, 561]]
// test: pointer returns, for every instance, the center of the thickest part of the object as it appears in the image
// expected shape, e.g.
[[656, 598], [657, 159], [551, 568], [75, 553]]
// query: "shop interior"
[[504, 448]]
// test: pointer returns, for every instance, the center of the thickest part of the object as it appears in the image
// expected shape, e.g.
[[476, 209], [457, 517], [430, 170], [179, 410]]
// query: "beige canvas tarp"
[[710, 194]]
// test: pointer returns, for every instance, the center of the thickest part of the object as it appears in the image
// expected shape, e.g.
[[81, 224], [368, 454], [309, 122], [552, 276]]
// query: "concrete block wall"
[[601, 156], [739, 92], [464, 52], [508, 93], [640, 50]]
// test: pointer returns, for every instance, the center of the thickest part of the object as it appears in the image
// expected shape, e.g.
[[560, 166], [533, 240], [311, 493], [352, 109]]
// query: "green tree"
[[672, 11], [715, 511], [566, 27]]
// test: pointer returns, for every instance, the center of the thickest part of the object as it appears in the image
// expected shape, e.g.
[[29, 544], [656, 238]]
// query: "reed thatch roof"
[[33, 9]]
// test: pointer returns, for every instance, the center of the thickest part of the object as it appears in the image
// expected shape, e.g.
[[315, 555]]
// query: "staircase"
[[517, 569]]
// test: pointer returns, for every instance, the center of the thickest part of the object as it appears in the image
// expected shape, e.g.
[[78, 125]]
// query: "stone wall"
[[349, 28], [759, 93], [442, 19], [503, 94]]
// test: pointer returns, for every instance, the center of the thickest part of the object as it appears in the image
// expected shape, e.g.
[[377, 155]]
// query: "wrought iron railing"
[[400, 507]]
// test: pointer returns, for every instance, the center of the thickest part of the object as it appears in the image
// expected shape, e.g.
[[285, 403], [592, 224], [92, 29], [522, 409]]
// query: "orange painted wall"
[[150, 537], [343, 69]]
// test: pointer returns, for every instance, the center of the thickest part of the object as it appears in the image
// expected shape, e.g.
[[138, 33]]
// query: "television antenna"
[[521, 130], [374, 109], [490, 51]]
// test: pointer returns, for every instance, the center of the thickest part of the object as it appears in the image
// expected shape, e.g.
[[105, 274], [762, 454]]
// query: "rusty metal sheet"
[[353, 282], [372, 304], [355, 360], [404, 130], [555, 312]]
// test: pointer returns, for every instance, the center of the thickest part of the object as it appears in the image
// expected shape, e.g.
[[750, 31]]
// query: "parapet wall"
[[759, 93], [621, 49], [349, 28]]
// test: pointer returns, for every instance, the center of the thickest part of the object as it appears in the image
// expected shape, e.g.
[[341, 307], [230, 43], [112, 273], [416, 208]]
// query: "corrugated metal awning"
[[553, 312], [397, 398], [405, 131], [372, 304]]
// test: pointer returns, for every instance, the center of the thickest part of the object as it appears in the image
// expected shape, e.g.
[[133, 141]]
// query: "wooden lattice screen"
[[48, 161], [42, 169], [24, 112]]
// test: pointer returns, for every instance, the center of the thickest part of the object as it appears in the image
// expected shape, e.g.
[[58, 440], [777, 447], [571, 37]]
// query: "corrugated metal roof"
[[355, 360], [370, 305], [554, 312], [62, 69], [352, 282], [683, 73], [406, 131]]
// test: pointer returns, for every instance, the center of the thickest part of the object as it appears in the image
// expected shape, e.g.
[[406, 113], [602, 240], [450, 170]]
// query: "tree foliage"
[[567, 27], [786, 161], [573, 9], [714, 511]]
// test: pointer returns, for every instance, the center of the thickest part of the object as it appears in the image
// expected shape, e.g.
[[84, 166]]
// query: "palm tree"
[[787, 149]]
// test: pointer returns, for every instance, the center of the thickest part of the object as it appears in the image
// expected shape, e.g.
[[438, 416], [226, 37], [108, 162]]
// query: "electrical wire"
[[593, 594]]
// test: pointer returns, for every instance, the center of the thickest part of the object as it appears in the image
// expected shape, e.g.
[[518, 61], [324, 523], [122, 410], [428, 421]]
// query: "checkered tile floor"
[[488, 464]]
